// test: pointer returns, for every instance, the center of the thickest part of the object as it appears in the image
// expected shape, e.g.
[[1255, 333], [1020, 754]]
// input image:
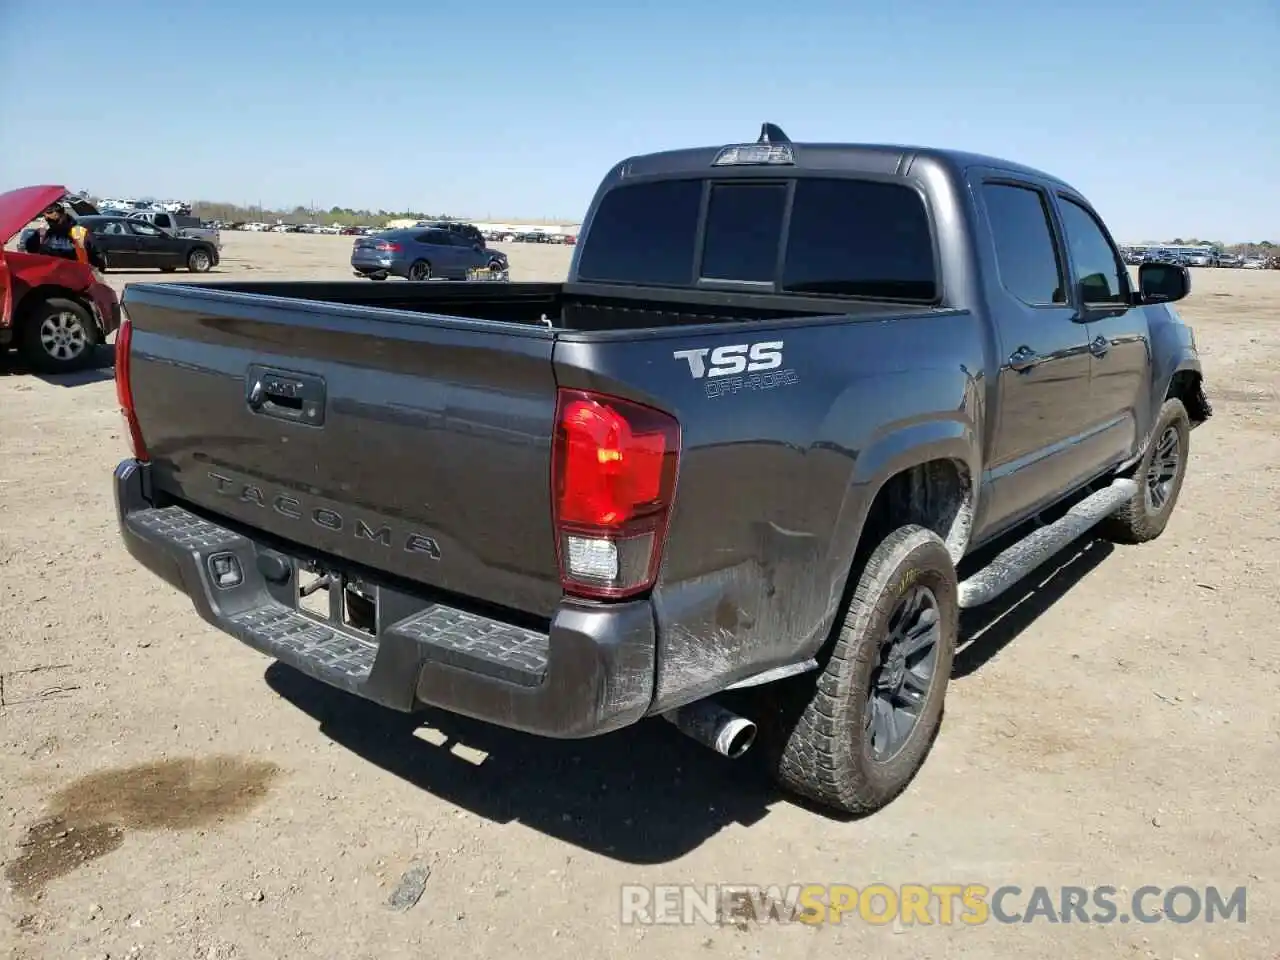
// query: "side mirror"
[[1163, 282]]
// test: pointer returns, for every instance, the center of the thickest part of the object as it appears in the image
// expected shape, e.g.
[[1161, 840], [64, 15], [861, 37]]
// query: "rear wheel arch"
[[937, 494], [28, 304]]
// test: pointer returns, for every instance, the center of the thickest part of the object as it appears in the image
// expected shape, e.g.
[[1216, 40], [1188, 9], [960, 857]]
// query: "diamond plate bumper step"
[[335, 654], [591, 670]]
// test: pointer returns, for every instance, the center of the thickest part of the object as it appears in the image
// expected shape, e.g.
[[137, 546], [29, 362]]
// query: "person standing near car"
[[63, 237]]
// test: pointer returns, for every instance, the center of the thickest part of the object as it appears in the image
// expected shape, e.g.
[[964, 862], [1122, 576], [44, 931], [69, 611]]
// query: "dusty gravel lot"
[[168, 793]]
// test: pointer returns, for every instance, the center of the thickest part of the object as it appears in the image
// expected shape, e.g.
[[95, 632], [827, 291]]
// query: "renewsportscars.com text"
[[929, 904]]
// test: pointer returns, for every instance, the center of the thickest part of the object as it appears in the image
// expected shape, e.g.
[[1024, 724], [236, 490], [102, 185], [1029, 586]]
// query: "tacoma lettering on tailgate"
[[287, 505]]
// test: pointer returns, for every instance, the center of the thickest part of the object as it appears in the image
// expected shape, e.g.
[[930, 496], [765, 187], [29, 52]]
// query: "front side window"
[[1102, 276]]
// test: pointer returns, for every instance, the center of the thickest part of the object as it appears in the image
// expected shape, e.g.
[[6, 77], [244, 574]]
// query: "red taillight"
[[124, 389], [386, 247], [613, 481]]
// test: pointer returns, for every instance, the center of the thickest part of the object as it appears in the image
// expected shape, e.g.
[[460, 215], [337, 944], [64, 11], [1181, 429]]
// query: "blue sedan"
[[424, 254]]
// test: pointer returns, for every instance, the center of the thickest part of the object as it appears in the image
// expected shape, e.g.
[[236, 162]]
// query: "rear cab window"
[[744, 224], [1026, 250], [819, 236], [644, 234]]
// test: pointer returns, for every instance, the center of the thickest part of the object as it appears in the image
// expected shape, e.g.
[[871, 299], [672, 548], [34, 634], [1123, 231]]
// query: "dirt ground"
[[167, 793]]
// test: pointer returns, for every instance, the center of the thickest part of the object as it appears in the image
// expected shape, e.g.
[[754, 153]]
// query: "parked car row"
[[1196, 257], [261, 227], [126, 207], [534, 236], [489, 236]]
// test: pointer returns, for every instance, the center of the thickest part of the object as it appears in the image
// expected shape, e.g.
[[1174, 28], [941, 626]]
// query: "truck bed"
[[560, 306]]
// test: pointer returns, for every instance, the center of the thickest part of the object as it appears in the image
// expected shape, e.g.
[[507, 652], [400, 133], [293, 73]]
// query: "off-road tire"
[[38, 325], [1140, 520], [824, 750]]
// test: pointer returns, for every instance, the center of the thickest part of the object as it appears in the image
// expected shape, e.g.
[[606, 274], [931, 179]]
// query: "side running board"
[[1038, 546]]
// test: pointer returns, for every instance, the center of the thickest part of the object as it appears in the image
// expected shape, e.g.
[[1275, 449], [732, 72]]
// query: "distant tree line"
[[344, 216]]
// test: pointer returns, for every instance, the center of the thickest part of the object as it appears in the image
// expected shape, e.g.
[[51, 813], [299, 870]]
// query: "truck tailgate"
[[412, 444]]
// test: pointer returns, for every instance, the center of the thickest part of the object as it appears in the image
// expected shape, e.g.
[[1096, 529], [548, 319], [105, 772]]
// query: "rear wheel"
[[59, 336], [420, 270], [855, 738]]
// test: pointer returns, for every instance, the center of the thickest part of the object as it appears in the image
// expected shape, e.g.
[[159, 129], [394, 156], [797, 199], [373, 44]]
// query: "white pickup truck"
[[179, 226]]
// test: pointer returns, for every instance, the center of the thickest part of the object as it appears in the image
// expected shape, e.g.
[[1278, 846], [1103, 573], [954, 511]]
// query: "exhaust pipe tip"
[[735, 738], [713, 726]]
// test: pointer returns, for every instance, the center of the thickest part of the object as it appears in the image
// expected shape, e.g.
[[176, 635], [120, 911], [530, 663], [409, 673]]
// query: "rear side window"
[[1026, 255], [744, 223], [644, 233], [859, 238]]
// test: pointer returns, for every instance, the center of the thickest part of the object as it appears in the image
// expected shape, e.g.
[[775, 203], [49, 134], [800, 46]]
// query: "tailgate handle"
[[285, 395]]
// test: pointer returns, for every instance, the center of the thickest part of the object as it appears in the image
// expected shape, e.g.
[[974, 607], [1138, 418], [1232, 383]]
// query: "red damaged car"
[[54, 310]]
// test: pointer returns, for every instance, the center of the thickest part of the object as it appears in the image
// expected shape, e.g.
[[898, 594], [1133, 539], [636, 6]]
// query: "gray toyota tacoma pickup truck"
[[796, 406]]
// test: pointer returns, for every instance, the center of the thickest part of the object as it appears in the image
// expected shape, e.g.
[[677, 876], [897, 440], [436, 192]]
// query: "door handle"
[[1099, 346], [1023, 359], [285, 395]]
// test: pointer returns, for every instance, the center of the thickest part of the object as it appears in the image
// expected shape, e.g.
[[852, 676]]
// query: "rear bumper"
[[390, 267], [591, 673]]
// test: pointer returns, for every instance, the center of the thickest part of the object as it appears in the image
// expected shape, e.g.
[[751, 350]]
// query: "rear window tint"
[[856, 238], [644, 233], [744, 223], [859, 238]]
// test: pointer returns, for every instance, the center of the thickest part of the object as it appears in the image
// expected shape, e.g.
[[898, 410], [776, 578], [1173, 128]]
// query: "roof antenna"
[[772, 133]]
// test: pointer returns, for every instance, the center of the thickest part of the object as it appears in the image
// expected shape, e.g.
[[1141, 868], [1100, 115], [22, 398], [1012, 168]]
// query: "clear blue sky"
[[1166, 114]]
